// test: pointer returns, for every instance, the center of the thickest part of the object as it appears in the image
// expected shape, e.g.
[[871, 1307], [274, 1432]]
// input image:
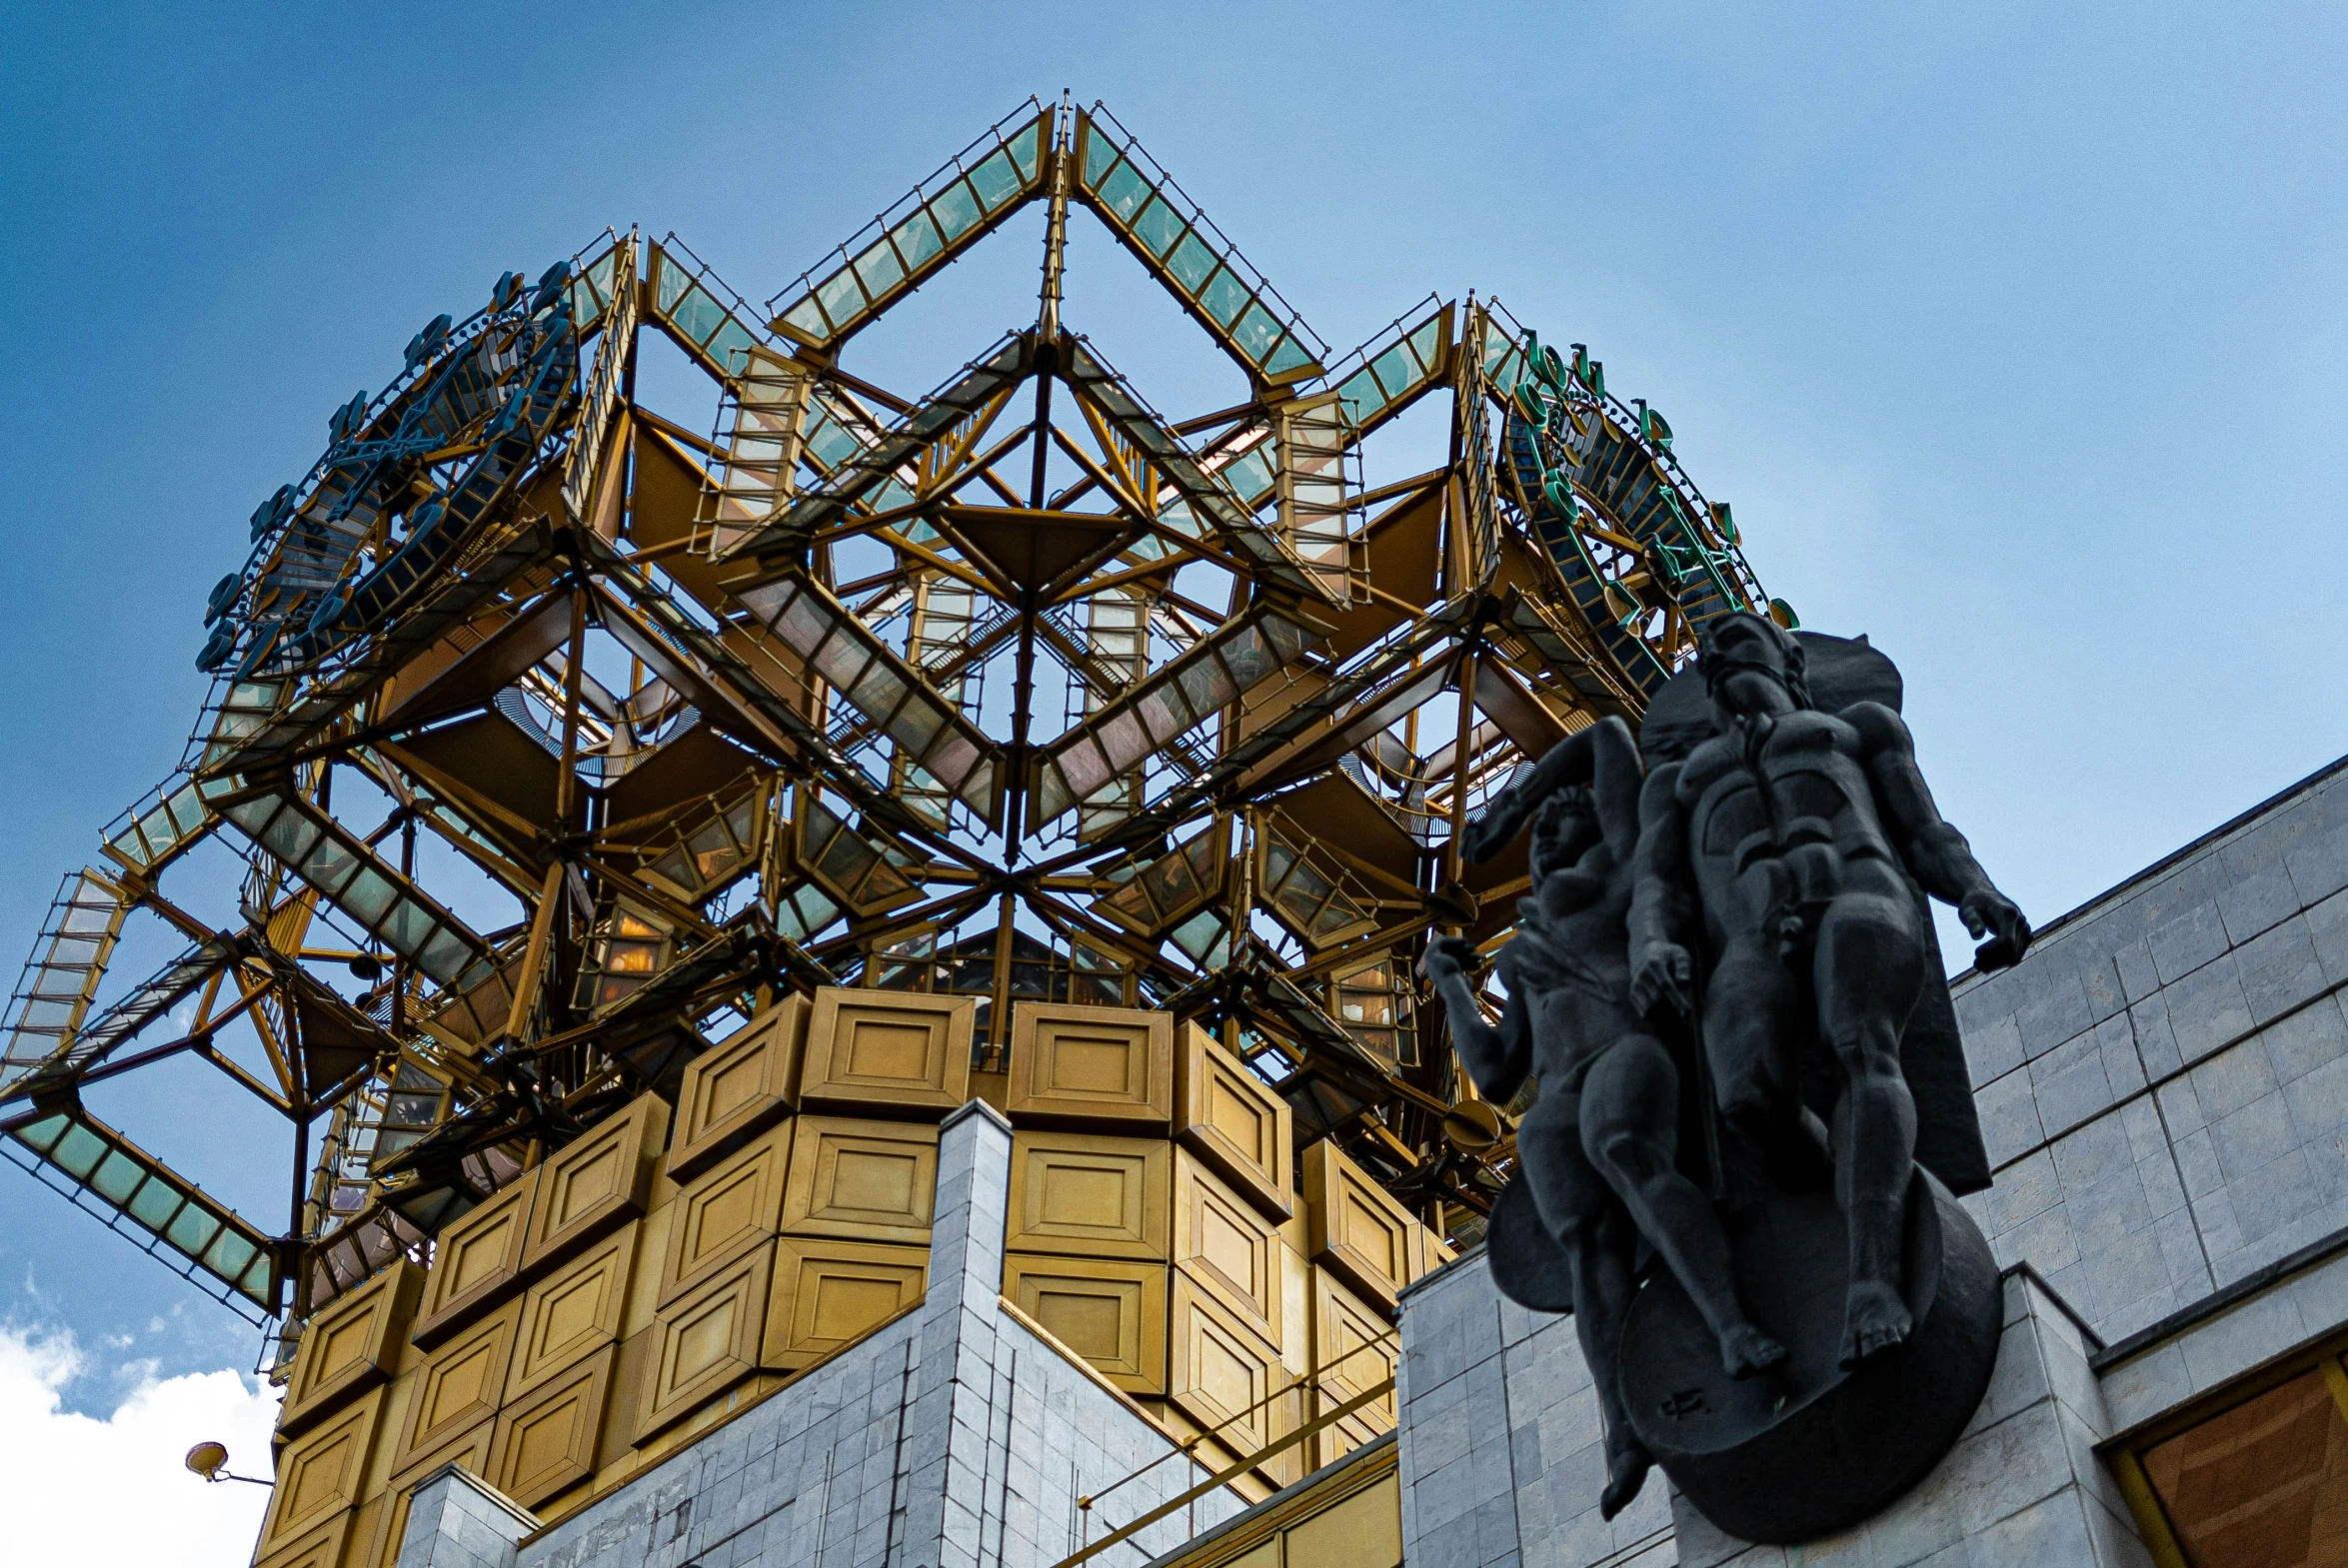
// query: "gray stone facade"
[[951, 1438]]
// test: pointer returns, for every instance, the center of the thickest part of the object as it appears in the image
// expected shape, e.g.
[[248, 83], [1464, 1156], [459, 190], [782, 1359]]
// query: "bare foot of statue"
[[1873, 1319], [1746, 1350], [1627, 1463]]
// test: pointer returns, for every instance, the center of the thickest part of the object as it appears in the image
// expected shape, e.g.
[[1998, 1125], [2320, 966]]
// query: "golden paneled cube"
[[1221, 1242], [477, 1262], [318, 1473], [460, 1385], [1356, 1229], [599, 1181], [321, 1546], [862, 1181], [1110, 1313], [1089, 1196], [573, 1310], [1354, 1349], [1231, 1119], [545, 1443], [352, 1346], [1222, 1373], [734, 1206], [704, 1343], [828, 1292], [1104, 1067], [889, 1053], [739, 1087]]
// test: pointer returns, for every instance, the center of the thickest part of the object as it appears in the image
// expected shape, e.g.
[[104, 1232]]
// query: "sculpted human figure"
[[1776, 848], [1598, 1149]]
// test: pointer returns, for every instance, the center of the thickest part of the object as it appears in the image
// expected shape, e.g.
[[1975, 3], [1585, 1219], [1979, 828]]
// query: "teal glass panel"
[[1205, 686], [1051, 797], [838, 297], [1124, 192], [254, 1282], [230, 1254], [957, 211], [916, 239], [289, 836], [731, 347], [806, 317], [1026, 151], [1256, 332], [1157, 226], [879, 270], [1250, 476], [671, 286], [367, 898], [42, 1134], [154, 1206], [1395, 372], [1360, 395], [1424, 341], [1191, 263], [193, 1231], [698, 316], [1291, 355], [408, 927], [832, 443], [1099, 155], [116, 1177], [445, 956], [996, 180], [79, 1150], [1224, 297], [329, 864]]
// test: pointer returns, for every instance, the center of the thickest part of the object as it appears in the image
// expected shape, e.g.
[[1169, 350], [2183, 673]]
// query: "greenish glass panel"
[[254, 1282], [444, 956], [41, 1135], [230, 1254], [1250, 476], [1124, 192], [116, 1179], [1424, 341], [1224, 296], [1191, 263], [916, 239], [367, 898], [671, 286], [807, 317], [1157, 226], [832, 443], [879, 270], [1256, 332], [289, 836], [698, 316], [1291, 355], [408, 927], [1100, 153], [996, 180], [957, 211], [154, 1206], [731, 347], [1360, 395], [79, 1150], [1395, 372], [838, 297], [1026, 151], [329, 864], [193, 1231]]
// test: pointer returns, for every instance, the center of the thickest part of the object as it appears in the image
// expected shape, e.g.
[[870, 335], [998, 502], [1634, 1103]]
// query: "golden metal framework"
[[686, 719]]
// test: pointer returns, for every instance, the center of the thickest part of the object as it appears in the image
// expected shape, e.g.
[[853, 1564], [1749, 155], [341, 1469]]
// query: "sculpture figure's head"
[[1563, 828], [1751, 665]]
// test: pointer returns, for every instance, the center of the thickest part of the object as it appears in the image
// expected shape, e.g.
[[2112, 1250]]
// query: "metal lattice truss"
[[1018, 688]]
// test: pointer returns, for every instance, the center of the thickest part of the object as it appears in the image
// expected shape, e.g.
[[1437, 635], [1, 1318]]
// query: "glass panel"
[[1205, 686], [230, 1255], [996, 181], [116, 1177], [956, 210], [408, 927], [837, 296], [193, 1231], [1255, 332], [78, 1150], [918, 238], [731, 347], [1026, 150], [2265, 1482], [1191, 263], [1163, 713], [699, 317], [367, 896], [289, 837], [1124, 192], [41, 1134], [154, 1206], [1083, 768], [329, 863], [1157, 227], [1099, 154], [1224, 297], [1123, 740], [671, 283], [879, 270], [806, 317]]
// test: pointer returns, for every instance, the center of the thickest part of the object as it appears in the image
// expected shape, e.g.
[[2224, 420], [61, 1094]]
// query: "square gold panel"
[[828, 1292], [737, 1087], [1104, 1067], [321, 1546], [722, 1213], [351, 1346], [1232, 1251], [573, 1309], [1356, 1229], [1231, 1119], [1354, 1348], [1222, 1373], [460, 1383], [862, 1181], [476, 1263], [320, 1472], [704, 1343], [599, 1180], [887, 1054], [546, 1442], [1089, 1196], [1112, 1314]]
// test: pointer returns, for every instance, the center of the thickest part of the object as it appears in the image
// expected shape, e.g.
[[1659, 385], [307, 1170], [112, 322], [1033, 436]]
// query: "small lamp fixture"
[[210, 1460]]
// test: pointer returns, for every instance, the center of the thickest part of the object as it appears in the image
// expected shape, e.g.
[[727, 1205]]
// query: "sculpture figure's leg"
[[1748, 1043], [1582, 1213], [1629, 1128], [1869, 971]]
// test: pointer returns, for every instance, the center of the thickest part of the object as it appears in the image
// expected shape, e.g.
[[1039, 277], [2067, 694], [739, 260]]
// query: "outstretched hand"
[[1488, 830], [1664, 972], [1447, 957], [1988, 912]]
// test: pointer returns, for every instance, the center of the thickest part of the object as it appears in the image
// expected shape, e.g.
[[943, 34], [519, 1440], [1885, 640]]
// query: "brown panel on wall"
[[1089, 1196], [825, 1293], [1356, 1229], [546, 1442], [1112, 1314], [1232, 1251], [460, 1385], [572, 1311], [388, 1526], [1231, 1119], [739, 1087], [320, 1472], [725, 1212], [321, 1546], [599, 1181], [477, 1262], [1221, 1373], [1104, 1067], [889, 1053], [1353, 1350], [862, 1181], [704, 1343], [351, 1347]]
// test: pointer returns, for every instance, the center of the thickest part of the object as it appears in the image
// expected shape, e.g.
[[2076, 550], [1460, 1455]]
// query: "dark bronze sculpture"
[[1762, 968]]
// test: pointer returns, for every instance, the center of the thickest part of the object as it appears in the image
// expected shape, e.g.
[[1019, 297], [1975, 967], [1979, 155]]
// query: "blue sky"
[[2014, 333]]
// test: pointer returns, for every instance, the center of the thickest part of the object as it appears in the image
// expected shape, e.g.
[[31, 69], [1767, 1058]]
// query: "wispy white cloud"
[[112, 1492]]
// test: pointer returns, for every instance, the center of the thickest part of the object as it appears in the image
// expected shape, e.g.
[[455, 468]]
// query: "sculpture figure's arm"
[[1618, 777], [1939, 856], [1498, 1059], [1598, 752], [1661, 899]]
